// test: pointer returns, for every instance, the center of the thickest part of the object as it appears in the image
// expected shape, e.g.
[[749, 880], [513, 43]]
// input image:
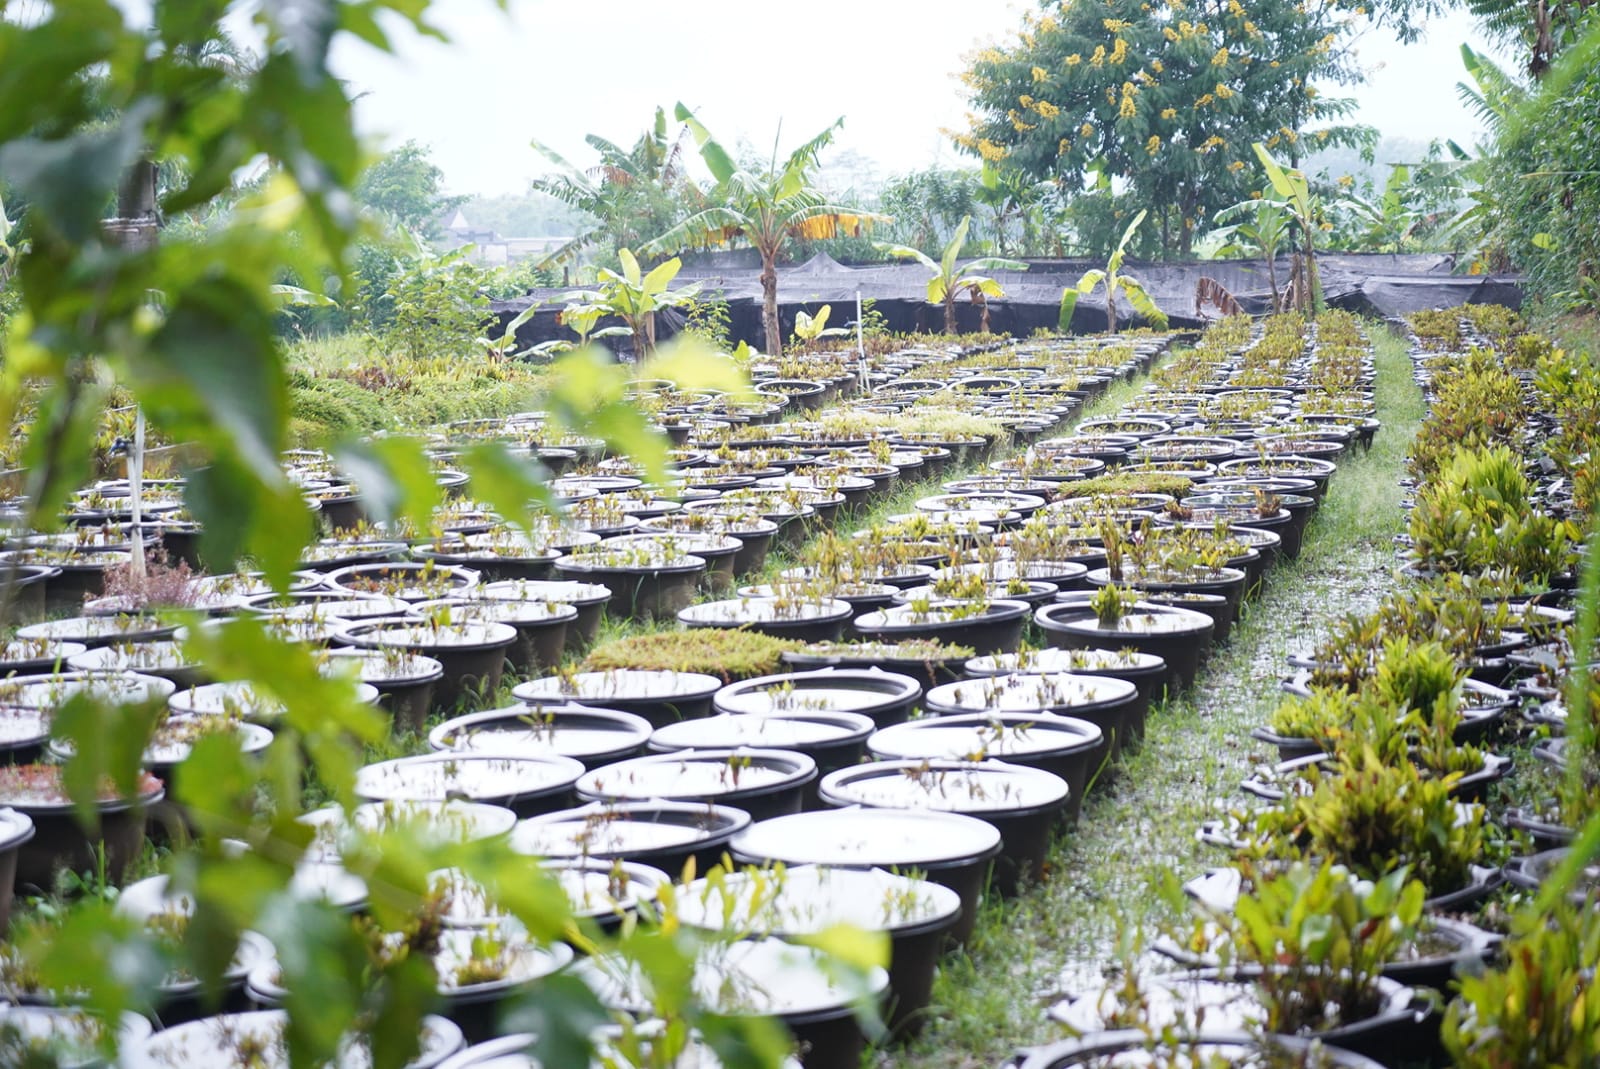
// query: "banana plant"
[[1262, 227], [809, 328], [1114, 281], [765, 207], [1294, 190], [635, 297], [8, 251], [949, 280]]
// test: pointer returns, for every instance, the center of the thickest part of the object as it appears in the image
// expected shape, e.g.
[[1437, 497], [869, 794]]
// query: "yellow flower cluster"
[[1040, 75], [1115, 25], [1205, 101], [1220, 59], [991, 151], [1016, 122], [1169, 33], [1235, 9], [1153, 145], [1169, 113], [1086, 130], [1025, 100], [1127, 108], [1119, 52], [1212, 142], [1074, 59], [1322, 135], [1223, 92], [1048, 25], [1289, 134], [1063, 146], [1046, 109], [1346, 181], [1099, 57], [1236, 166], [1250, 28], [1157, 66]]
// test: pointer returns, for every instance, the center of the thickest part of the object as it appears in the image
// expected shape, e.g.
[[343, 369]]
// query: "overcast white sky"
[[557, 71]]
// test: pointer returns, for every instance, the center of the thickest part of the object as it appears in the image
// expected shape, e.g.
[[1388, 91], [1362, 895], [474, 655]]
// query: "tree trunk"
[[950, 313], [983, 311], [1111, 307], [769, 304], [1272, 278]]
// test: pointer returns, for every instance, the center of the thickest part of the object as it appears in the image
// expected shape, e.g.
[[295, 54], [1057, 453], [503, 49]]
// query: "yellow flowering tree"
[[1164, 98]]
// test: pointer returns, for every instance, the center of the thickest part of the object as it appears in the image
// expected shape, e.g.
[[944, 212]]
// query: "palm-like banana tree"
[[1115, 282], [764, 208], [1261, 226], [632, 193], [948, 280]]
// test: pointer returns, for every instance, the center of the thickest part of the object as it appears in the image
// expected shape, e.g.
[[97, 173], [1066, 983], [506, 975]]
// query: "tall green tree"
[[767, 207], [1163, 97], [408, 186]]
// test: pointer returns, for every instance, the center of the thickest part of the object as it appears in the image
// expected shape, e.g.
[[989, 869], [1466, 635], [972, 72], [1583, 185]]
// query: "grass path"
[[1137, 834]]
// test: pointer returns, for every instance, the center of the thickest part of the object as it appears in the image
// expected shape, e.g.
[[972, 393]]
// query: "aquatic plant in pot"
[[540, 626], [1536, 1005], [1373, 817], [1315, 941]]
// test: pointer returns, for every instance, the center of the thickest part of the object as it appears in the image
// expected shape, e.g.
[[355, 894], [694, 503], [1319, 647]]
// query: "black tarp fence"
[[1378, 284]]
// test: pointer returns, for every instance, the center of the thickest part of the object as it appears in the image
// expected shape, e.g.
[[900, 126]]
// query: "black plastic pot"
[[1137, 1049], [540, 626], [406, 691], [60, 842], [761, 977], [1530, 874], [832, 739], [763, 783], [1065, 746], [885, 697], [1176, 1002], [997, 628], [947, 848], [588, 598], [661, 697], [1146, 671], [1022, 803], [811, 620], [657, 590], [24, 587], [885, 657], [16, 830], [916, 914], [663, 835], [1105, 701], [211, 1042], [1177, 636], [591, 735], [471, 654], [526, 784]]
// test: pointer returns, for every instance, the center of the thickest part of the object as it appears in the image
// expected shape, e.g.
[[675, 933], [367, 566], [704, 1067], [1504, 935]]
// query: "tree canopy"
[[1163, 97], [409, 186]]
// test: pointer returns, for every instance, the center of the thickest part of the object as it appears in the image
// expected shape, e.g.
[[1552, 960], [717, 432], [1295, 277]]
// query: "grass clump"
[[1154, 482], [727, 653]]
